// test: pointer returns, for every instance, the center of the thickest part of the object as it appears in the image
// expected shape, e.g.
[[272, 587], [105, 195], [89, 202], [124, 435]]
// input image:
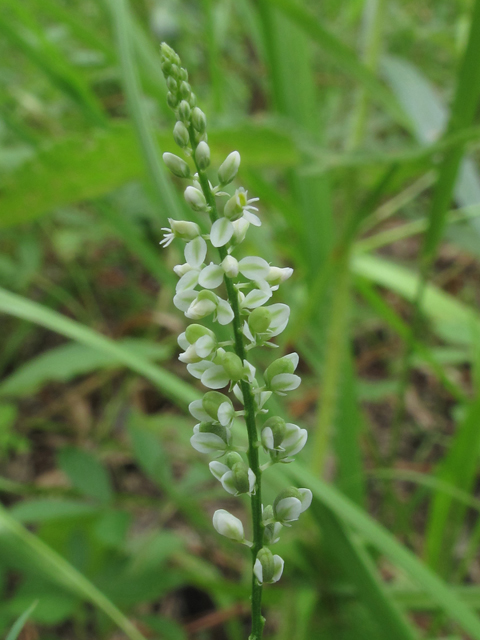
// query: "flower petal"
[[204, 346], [195, 252], [198, 412], [211, 277], [197, 369], [224, 314], [221, 232], [187, 281], [254, 268], [215, 377], [184, 299], [255, 299]]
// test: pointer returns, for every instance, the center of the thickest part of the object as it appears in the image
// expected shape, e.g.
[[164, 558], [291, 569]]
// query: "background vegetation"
[[356, 124]]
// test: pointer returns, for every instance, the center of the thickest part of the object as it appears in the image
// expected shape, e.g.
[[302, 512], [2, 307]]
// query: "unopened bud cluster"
[[216, 364]]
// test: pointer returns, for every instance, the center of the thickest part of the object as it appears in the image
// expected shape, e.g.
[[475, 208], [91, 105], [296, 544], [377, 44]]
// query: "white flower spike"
[[232, 290]]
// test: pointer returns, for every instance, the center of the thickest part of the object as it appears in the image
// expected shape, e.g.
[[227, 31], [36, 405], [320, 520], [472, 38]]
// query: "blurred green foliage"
[[369, 188]]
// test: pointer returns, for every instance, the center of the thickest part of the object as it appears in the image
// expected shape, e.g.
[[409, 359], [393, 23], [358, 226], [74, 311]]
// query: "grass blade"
[[358, 567], [174, 388], [345, 59], [62, 572], [385, 542], [20, 623], [164, 191]]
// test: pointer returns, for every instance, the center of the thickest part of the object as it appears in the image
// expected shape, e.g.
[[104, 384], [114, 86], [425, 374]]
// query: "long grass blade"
[[62, 572]]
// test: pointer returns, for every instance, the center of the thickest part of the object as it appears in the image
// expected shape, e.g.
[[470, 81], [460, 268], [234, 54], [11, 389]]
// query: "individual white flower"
[[198, 342], [210, 438], [213, 407], [268, 568], [239, 205], [289, 504], [182, 229], [235, 476], [228, 525], [204, 303], [266, 322], [282, 440], [228, 368], [279, 376]]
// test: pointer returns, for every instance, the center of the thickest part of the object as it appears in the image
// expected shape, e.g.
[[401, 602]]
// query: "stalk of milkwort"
[[250, 284]]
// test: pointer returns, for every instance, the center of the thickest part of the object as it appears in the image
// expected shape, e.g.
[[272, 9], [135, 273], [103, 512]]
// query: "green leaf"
[[20, 623], [86, 473]]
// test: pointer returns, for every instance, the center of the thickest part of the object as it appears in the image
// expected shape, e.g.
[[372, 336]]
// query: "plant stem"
[[250, 421]]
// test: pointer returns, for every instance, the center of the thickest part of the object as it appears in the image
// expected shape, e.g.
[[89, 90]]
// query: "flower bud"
[[273, 432], [184, 229], [229, 168], [180, 135], [192, 101], [195, 199], [184, 111], [199, 120], [268, 568], [172, 100], [176, 165], [289, 504], [185, 90], [230, 266], [174, 69], [271, 533], [278, 275], [203, 305], [182, 74], [181, 269], [202, 155], [233, 366], [172, 84], [228, 525], [259, 320]]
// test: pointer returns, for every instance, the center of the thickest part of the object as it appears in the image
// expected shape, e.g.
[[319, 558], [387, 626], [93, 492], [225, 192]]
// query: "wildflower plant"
[[249, 284]]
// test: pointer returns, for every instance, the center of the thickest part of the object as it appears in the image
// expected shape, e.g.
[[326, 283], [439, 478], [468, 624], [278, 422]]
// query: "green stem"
[[250, 421]]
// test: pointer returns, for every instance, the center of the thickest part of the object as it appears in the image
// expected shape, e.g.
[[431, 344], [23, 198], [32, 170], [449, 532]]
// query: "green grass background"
[[357, 123]]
